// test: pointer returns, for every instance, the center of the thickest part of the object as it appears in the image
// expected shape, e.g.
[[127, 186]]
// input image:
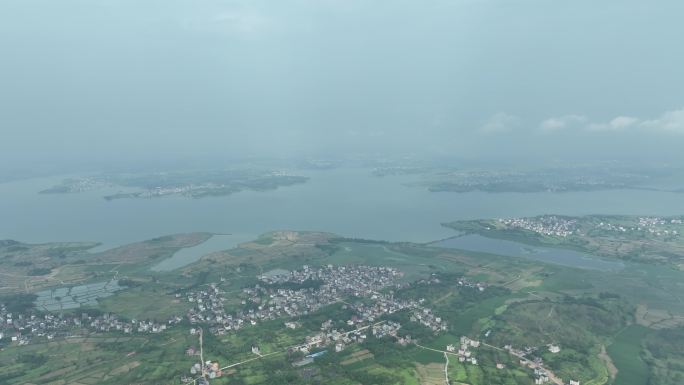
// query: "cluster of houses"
[[540, 373], [331, 336], [474, 285], [427, 318], [22, 328], [541, 376], [282, 293], [553, 225], [646, 225], [347, 278], [463, 350], [208, 369], [266, 301], [386, 329], [380, 304], [340, 339], [550, 225]]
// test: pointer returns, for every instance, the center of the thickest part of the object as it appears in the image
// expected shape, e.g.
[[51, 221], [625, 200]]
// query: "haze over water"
[[349, 202]]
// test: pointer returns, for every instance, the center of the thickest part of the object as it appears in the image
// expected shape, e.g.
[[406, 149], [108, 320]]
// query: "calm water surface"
[[474, 242], [350, 202], [189, 255]]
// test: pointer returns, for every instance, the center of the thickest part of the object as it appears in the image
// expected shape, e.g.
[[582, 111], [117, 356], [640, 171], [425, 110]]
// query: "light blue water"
[[474, 242], [189, 255], [349, 202]]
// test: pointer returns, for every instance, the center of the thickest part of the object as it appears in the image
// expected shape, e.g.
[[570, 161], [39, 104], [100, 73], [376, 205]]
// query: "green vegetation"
[[18, 303], [626, 351], [36, 266], [147, 301], [517, 302], [664, 355]]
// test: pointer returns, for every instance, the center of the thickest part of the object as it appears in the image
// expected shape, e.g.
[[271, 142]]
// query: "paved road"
[[194, 381], [552, 376]]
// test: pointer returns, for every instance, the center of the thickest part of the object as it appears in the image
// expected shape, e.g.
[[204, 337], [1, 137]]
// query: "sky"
[[110, 80]]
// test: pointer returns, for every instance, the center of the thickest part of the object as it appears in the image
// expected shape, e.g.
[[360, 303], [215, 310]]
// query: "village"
[[261, 302], [284, 294], [549, 225], [20, 329], [289, 294], [464, 350], [655, 226], [556, 226]]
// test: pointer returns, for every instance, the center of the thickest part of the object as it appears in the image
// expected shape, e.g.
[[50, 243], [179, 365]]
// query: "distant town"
[[558, 226]]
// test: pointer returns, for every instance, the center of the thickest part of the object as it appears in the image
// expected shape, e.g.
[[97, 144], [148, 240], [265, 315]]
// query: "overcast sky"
[[85, 80]]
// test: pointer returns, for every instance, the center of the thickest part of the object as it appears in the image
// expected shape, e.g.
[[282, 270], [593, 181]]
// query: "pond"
[[474, 242], [188, 255]]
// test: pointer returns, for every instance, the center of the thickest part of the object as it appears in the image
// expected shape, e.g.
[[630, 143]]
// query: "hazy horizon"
[[502, 81]]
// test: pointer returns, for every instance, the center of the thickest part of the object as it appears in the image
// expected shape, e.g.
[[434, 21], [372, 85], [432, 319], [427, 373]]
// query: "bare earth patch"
[[357, 356], [125, 368], [603, 355]]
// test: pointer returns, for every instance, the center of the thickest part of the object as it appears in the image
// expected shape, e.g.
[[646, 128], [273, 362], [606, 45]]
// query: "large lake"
[[349, 202]]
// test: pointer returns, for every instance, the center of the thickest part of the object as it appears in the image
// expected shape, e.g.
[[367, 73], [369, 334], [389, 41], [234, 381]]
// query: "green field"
[[626, 351]]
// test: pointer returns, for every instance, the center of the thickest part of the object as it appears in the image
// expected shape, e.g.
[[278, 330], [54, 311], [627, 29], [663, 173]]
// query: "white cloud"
[[616, 124], [671, 121], [499, 123], [561, 123]]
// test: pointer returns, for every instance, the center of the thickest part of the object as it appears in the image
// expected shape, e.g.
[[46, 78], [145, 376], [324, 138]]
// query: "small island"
[[562, 179], [191, 184]]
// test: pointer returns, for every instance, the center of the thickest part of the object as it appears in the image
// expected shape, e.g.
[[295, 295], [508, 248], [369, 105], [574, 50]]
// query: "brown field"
[[357, 356], [603, 355], [124, 368]]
